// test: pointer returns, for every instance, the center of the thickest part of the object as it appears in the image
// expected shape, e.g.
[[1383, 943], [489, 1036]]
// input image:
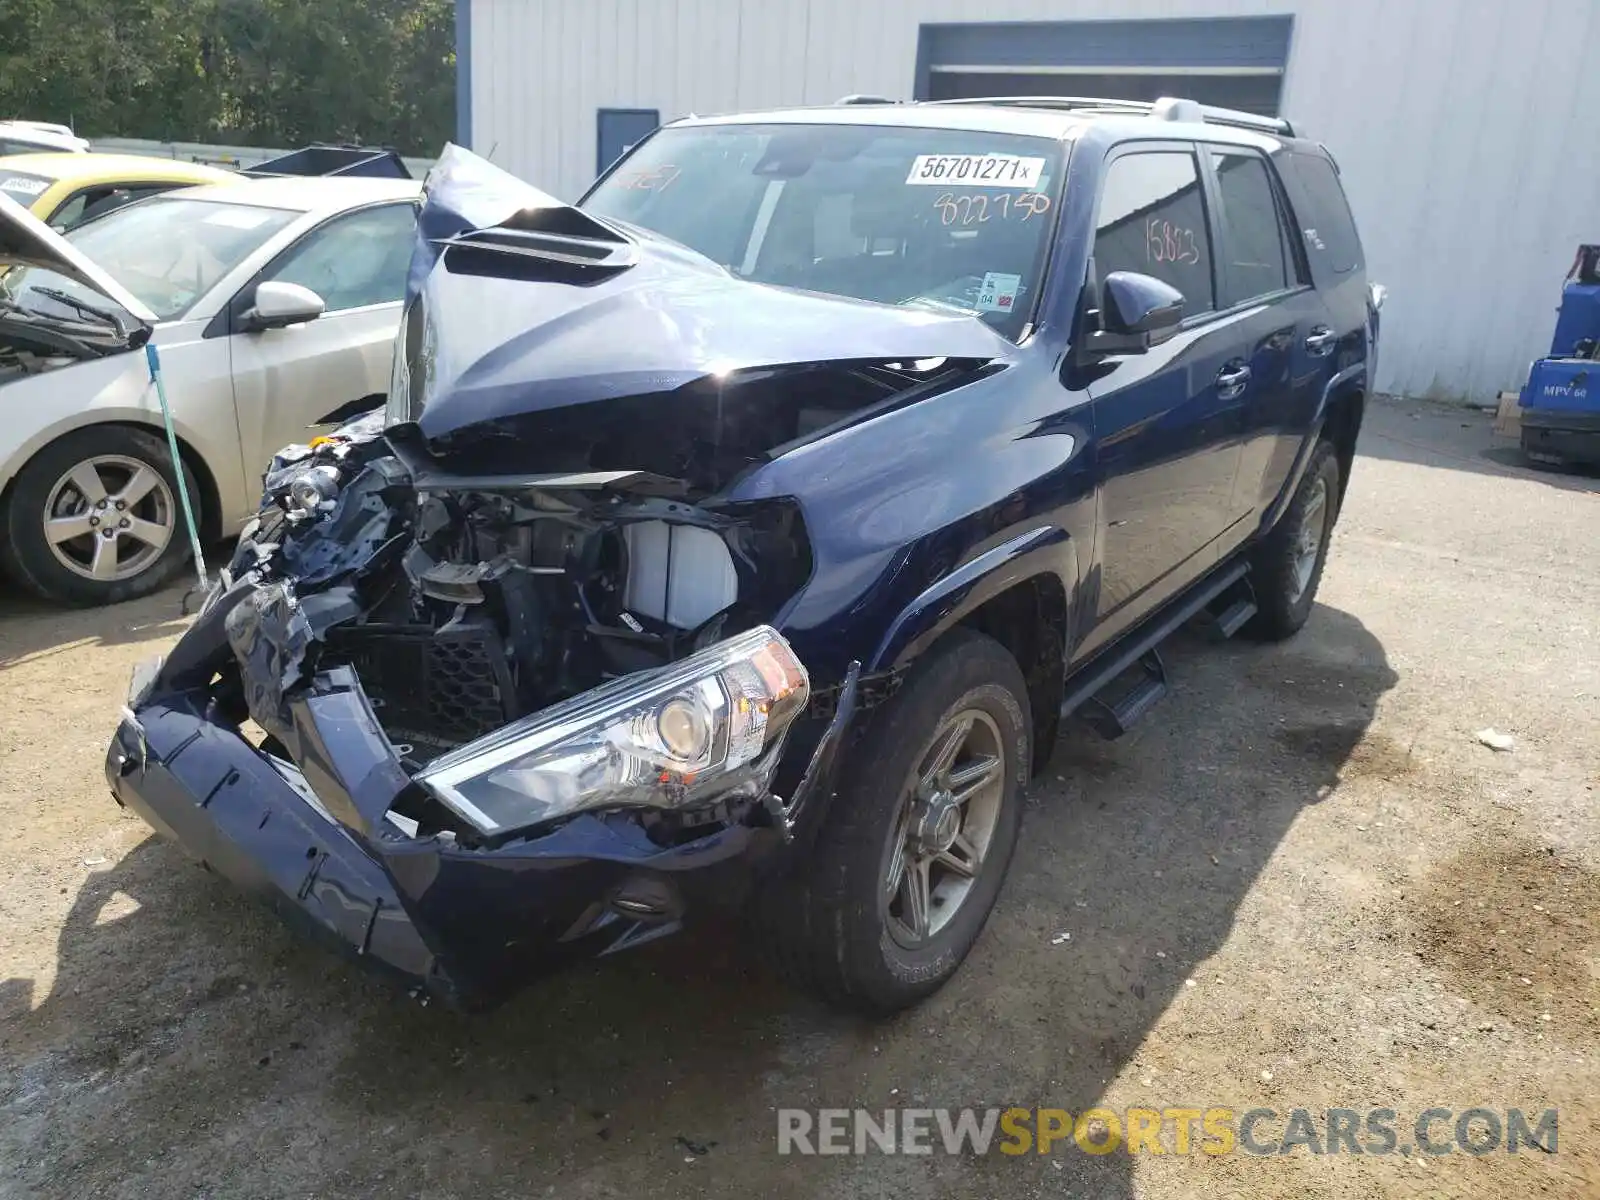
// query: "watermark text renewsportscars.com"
[[1170, 1130]]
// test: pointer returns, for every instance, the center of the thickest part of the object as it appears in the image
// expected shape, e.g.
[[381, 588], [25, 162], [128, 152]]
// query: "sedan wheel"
[[93, 517], [109, 518]]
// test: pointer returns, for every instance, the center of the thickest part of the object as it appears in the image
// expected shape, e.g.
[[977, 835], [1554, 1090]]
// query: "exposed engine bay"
[[18, 360], [463, 603]]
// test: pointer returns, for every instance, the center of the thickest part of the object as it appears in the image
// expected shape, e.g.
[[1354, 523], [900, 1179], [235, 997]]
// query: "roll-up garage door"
[[1236, 62]]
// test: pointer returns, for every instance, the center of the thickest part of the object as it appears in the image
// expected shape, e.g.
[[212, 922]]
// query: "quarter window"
[[1254, 262], [1326, 225], [358, 259], [1153, 220], [97, 201]]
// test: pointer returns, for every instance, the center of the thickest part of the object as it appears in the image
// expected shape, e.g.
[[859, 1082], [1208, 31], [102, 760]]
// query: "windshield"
[[942, 218], [168, 252]]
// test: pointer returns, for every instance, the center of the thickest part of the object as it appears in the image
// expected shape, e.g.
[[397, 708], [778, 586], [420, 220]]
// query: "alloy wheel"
[[946, 823], [109, 518], [1308, 542]]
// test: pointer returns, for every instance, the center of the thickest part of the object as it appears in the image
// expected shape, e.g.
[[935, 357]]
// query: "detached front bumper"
[[201, 785], [467, 925]]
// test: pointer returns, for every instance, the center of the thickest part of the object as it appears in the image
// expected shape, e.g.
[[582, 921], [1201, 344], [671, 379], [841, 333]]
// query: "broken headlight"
[[696, 731], [311, 489]]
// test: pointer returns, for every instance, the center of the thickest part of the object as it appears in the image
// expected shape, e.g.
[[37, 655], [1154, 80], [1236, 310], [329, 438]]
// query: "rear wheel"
[[1287, 566], [918, 839], [94, 518]]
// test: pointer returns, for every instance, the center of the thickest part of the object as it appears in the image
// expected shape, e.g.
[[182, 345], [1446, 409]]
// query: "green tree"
[[272, 72]]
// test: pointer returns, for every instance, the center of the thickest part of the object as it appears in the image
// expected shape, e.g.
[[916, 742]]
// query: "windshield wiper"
[[88, 310]]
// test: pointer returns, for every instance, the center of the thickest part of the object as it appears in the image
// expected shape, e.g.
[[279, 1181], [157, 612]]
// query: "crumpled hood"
[[27, 241], [501, 322]]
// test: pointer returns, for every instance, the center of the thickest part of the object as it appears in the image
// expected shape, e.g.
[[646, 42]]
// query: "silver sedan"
[[274, 306]]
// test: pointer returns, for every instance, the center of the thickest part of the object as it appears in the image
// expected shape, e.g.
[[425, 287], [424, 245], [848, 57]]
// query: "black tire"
[[824, 925], [25, 552], [1283, 595]]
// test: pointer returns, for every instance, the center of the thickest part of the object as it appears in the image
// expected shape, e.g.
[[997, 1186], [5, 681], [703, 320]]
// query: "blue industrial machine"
[[1560, 403]]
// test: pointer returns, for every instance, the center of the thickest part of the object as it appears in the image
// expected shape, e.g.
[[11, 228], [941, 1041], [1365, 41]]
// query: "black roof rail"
[[1168, 108], [864, 98]]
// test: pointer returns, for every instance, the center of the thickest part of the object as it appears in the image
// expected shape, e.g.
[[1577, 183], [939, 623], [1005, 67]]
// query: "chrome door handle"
[[1231, 381], [1320, 341]]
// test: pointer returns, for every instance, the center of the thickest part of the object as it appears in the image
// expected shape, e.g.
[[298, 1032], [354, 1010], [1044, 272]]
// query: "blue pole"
[[153, 357]]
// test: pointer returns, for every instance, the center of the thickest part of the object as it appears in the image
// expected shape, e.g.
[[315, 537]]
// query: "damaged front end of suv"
[[508, 674]]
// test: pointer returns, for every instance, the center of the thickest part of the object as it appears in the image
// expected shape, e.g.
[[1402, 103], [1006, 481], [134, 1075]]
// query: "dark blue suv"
[[741, 535]]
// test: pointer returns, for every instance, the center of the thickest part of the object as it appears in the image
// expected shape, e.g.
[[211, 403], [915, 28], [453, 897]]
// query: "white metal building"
[[1464, 128]]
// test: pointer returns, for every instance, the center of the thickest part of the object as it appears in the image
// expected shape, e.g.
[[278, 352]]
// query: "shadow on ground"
[[31, 629], [188, 1041]]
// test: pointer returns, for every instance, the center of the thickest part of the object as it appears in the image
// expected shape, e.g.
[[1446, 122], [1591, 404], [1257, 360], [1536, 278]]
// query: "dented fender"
[[1046, 550]]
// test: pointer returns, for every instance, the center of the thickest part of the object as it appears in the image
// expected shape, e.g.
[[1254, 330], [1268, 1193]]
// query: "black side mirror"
[[1136, 312]]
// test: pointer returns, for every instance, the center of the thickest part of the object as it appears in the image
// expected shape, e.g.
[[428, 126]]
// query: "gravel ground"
[[1301, 883]]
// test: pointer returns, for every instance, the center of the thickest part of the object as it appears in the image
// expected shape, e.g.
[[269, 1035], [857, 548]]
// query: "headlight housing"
[[699, 730], [311, 490]]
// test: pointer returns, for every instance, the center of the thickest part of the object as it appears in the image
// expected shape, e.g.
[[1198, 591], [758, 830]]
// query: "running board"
[[1230, 611], [1114, 718]]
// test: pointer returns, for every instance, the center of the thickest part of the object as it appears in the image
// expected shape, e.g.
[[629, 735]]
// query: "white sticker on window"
[[23, 187], [238, 218], [977, 170], [999, 292]]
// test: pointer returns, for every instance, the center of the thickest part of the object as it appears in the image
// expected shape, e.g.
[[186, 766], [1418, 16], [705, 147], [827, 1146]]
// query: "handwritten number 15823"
[[1169, 243]]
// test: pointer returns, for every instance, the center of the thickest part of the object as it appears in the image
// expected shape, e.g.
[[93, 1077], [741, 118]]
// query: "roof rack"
[[319, 158], [864, 98], [1168, 108]]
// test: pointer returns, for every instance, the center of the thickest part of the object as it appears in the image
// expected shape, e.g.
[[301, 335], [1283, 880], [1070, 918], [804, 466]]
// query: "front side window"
[[1255, 261], [168, 253], [939, 218], [354, 260], [1152, 220]]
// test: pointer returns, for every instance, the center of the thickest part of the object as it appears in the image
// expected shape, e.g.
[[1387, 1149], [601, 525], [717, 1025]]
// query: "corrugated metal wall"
[[1465, 128]]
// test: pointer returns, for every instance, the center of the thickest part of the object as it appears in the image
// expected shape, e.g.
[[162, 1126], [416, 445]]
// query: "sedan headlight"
[[701, 729]]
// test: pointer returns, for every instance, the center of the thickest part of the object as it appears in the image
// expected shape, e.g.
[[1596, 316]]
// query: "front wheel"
[[1287, 566], [916, 845], [94, 518]]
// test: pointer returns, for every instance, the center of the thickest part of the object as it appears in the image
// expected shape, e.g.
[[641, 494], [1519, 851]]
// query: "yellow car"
[[64, 190]]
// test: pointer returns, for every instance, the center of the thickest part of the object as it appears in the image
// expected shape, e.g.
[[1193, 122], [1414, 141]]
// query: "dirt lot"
[[1301, 883]]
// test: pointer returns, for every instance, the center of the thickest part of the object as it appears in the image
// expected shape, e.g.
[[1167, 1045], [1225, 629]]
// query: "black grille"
[[437, 688]]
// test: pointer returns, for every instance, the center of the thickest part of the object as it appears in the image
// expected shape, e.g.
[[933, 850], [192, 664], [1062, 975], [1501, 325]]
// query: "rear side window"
[[1326, 225], [1152, 220], [1254, 262], [10, 146], [22, 187]]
